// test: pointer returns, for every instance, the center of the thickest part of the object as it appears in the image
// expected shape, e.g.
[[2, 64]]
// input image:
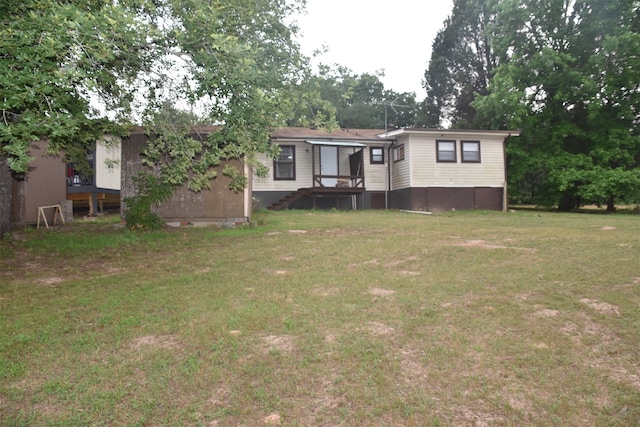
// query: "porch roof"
[[335, 143]]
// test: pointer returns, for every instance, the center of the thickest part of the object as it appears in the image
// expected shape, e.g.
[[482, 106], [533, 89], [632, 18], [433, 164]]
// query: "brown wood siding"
[[215, 205], [45, 185], [438, 199], [488, 198], [376, 200]]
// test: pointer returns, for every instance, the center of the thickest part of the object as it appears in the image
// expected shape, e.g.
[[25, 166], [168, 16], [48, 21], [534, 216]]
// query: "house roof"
[[322, 134], [445, 132], [334, 143]]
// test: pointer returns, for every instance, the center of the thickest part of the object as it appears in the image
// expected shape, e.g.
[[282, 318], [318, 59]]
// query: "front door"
[[328, 165]]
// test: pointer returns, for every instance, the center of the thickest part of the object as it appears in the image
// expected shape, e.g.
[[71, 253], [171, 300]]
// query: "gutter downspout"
[[387, 189]]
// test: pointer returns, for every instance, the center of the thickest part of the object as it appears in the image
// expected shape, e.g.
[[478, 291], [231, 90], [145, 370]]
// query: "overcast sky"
[[369, 35]]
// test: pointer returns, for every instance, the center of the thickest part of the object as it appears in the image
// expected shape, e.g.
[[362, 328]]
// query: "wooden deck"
[[314, 192]]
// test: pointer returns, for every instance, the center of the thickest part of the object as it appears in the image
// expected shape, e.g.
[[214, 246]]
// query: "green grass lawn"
[[325, 318]]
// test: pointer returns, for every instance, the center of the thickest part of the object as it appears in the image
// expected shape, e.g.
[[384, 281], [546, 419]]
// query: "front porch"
[[337, 172]]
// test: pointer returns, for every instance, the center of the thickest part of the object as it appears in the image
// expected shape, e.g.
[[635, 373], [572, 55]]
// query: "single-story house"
[[411, 168]]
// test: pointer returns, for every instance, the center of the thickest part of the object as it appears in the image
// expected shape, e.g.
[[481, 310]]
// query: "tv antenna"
[[393, 104]]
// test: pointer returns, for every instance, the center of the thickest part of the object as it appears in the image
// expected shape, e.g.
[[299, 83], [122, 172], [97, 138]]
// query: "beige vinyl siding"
[[303, 171], [374, 174], [108, 160], [427, 172], [401, 170]]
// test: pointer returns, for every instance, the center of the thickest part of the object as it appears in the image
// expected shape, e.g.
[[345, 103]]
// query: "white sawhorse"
[[57, 210]]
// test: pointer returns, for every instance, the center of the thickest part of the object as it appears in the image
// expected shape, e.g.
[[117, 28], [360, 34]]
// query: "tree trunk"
[[6, 182], [611, 206], [566, 203]]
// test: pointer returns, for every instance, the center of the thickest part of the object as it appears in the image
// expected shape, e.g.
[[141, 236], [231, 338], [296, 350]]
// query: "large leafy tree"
[[241, 62], [72, 70], [572, 83], [54, 57], [355, 100], [461, 65]]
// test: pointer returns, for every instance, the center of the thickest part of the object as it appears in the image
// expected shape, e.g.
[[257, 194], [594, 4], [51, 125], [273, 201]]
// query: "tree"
[[461, 65], [571, 82], [356, 101], [73, 70], [243, 63], [55, 56]]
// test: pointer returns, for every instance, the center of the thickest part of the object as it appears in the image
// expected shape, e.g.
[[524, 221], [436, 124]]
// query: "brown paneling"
[[45, 183], [446, 199], [419, 199], [488, 198], [376, 200], [217, 204]]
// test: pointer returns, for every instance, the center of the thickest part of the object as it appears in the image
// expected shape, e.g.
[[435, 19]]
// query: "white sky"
[[370, 35]]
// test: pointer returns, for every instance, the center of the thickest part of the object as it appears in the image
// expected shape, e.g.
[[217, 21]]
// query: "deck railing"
[[342, 181]]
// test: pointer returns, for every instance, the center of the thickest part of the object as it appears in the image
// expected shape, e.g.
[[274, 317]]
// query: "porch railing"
[[342, 181]]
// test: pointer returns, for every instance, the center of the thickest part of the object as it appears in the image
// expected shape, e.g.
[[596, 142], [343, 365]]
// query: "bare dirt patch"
[[481, 244], [325, 292], [283, 343], [273, 419], [601, 307], [298, 231], [408, 273], [378, 328], [411, 365], [608, 228], [50, 281], [545, 312], [279, 272], [156, 341], [378, 292]]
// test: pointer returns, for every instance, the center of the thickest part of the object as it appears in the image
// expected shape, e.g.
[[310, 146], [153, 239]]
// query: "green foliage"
[[72, 70], [242, 66], [150, 191], [569, 79], [56, 57], [462, 65], [355, 101]]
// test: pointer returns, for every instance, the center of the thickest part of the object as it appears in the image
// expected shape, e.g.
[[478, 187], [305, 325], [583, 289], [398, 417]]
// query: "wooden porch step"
[[284, 202]]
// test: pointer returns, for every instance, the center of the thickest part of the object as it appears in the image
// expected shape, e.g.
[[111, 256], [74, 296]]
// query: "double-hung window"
[[446, 151], [470, 151], [376, 155], [284, 166]]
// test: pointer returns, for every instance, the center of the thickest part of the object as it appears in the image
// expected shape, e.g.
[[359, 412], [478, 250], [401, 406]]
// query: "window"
[[398, 153], [470, 151], [284, 166], [376, 155], [446, 151]]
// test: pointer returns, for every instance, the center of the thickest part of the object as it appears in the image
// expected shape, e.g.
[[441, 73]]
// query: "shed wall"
[[44, 185], [219, 204]]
